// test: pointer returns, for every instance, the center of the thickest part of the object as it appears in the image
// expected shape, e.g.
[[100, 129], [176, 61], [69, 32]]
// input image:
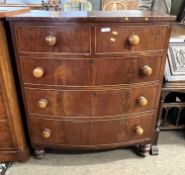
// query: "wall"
[[96, 4], [177, 7]]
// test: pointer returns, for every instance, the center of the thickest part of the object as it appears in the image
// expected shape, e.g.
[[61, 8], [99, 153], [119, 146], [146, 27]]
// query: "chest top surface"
[[125, 16]]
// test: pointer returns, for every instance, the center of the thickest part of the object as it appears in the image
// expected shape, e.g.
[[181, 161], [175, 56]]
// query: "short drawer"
[[126, 70], [115, 39], [90, 132], [63, 39], [56, 71], [86, 103], [5, 137], [84, 72]]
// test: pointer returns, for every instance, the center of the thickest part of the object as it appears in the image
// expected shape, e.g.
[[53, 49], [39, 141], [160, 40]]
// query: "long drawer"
[[119, 39], [84, 72], [90, 132], [86, 103], [5, 136], [64, 39]]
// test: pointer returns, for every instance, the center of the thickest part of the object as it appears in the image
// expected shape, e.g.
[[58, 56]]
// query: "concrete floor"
[[171, 161]]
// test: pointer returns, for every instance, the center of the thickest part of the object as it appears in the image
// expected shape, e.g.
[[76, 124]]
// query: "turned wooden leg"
[[39, 153], [154, 150], [144, 150]]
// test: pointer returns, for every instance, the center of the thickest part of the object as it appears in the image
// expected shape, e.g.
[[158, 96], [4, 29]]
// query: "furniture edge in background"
[[18, 149]]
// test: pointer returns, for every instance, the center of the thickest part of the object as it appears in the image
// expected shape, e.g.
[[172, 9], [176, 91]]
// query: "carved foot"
[[39, 153], [144, 150], [154, 150]]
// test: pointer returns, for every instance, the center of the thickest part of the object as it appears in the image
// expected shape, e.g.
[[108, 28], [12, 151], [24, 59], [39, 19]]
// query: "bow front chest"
[[91, 80]]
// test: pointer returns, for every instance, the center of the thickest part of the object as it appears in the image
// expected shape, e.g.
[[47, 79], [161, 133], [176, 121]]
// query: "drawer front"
[[56, 72], [64, 103], [64, 39], [90, 103], [93, 132], [5, 138], [141, 38], [118, 102], [126, 70], [2, 110], [83, 72]]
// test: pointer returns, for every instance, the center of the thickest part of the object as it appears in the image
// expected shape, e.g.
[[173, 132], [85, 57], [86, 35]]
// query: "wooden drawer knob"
[[43, 103], [146, 70], [38, 72], [46, 133], [50, 40], [142, 101], [139, 130], [134, 40]]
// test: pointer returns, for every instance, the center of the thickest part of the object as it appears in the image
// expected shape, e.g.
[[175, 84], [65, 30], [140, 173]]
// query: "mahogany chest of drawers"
[[91, 80], [12, 142]]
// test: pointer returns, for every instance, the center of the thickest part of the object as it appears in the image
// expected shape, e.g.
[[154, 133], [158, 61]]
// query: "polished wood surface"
[[94, 84], [148, 38], [90, 103], [5, 139], [125, 16], [2, 109], [83, 133], [69, 39], [12, 141], [9, 11], [89, 72]]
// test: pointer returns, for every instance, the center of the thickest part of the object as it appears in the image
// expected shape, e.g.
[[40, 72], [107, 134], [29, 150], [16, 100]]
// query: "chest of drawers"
[[91, 80], [12, 141]]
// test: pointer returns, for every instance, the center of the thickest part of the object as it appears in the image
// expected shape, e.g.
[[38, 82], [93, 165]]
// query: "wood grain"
[[84, 133], [89, 103], [69, 39], [10, 11], [89, 72], [11, 132], [92, 97], [126, 16], [151, 38]]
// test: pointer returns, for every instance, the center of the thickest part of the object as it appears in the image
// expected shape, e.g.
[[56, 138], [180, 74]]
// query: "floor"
[[171, 161]]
